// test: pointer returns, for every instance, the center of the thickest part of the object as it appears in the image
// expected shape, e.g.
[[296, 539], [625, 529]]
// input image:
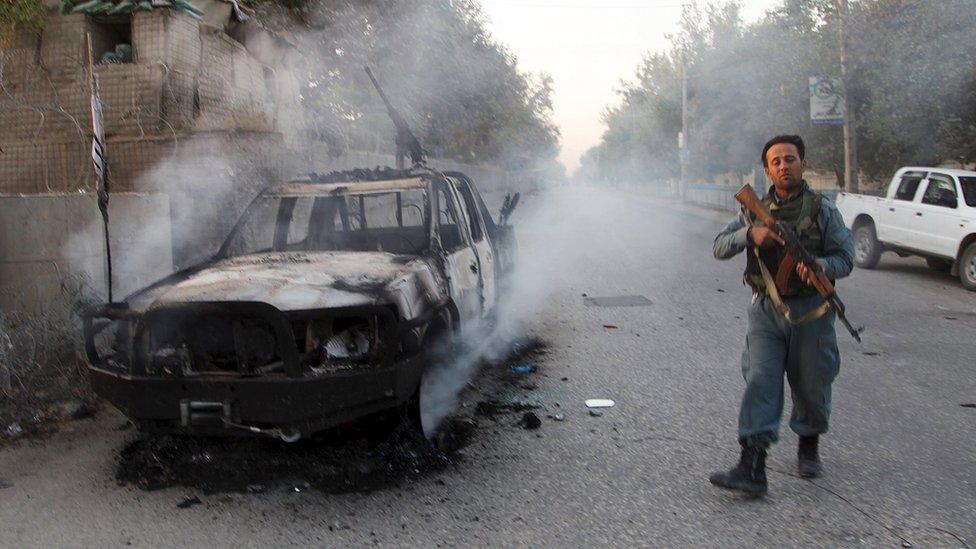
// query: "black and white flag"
[[98, 149]]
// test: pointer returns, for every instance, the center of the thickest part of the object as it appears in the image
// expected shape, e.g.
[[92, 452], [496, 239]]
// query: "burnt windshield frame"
[[284, 213]]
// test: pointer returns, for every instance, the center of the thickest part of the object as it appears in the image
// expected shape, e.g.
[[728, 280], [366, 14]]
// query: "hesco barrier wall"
[[184, 77], [51, 243]]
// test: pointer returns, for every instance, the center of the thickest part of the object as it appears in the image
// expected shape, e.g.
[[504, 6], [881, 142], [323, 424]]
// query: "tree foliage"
[[461, 92], [910, 80], [20, 12]]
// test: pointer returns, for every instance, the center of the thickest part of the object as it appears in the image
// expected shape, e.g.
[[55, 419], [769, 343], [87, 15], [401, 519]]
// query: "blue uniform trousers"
[[806, 353]]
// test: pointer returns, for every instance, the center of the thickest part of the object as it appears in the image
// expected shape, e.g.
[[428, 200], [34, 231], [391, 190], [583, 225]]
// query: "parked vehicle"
[[321, 307], [929, 212]]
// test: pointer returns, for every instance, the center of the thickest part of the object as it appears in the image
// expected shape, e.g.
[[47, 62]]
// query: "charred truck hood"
[[296, 281]]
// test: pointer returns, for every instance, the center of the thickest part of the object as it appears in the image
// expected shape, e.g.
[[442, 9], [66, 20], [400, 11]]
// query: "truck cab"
[[928, 212]]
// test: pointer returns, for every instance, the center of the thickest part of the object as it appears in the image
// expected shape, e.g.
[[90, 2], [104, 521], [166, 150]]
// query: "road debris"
[[599, 403], [968, 405], [521, 369], [454, 435], [75, 410], [491, 408], [610, 326], [189, 502], [4, 484], [13, 430], [558, 417], [340, 461], [530, 421]]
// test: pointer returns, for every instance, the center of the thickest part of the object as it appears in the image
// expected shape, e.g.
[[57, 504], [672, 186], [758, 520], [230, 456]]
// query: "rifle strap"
[[773, 293]]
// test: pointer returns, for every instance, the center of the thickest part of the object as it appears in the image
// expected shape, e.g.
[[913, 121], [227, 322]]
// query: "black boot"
[[749, 476], [808, 458]]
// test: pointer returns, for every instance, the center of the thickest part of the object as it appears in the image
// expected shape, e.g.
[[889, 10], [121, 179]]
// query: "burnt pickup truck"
[[320, 307]]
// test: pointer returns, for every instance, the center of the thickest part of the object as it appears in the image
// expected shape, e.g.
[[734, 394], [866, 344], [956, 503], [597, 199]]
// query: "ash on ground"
[[362, 456]]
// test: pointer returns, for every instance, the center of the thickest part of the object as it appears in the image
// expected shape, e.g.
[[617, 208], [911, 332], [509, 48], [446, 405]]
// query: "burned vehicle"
[[319, 308]]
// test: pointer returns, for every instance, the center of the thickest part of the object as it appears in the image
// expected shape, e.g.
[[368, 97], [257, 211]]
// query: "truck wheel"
[[967, 267], [938, 265], [427, 406], [867, 249]]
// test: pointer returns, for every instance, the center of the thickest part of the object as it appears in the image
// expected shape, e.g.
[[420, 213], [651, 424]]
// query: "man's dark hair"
[[794, 140]]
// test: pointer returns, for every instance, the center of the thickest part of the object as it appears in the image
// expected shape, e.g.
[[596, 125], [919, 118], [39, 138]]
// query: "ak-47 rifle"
[[406, 141], [747, 197]]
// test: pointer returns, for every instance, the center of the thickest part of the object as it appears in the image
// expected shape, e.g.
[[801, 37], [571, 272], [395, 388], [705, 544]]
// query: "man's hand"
[[765, 237], [805, 274]]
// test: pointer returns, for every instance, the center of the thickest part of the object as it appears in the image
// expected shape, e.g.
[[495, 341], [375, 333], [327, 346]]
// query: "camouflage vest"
[[802, 213]]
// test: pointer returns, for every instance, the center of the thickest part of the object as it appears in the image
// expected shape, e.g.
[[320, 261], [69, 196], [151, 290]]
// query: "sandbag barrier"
[[121, 7]]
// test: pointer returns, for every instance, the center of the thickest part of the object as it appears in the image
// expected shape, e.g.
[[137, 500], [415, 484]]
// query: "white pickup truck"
[[930, 212]]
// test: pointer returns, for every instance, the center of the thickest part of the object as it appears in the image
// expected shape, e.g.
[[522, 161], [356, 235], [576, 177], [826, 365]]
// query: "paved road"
[[901, 463]]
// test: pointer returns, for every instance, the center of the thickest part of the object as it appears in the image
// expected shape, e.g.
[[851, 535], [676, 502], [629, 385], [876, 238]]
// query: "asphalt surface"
[[900, 458]]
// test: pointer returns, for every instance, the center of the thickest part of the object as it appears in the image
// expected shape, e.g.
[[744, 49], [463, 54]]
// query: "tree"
[[462, 93], [911, 85]]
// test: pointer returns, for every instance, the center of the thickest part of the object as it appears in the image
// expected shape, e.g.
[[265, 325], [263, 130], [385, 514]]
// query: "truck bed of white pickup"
[[930, 212]]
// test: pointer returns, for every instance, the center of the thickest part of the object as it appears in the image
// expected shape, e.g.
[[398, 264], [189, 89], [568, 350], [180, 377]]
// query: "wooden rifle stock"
[[747, 197]]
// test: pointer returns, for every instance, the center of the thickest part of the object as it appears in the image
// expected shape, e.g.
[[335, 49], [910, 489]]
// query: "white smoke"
[[557, 230]]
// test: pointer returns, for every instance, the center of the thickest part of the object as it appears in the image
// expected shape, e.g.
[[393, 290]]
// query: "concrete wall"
[[50, 240]]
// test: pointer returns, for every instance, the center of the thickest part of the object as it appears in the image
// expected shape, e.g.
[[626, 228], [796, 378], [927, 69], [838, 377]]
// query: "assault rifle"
[[406, 141], [796, 253]]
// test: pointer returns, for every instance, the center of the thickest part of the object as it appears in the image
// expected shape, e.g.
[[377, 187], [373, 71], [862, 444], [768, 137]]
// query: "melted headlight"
[[349, 343], [341, 343]]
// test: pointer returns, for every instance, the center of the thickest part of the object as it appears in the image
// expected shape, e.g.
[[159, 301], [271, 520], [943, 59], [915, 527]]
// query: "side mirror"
[[508, 206]]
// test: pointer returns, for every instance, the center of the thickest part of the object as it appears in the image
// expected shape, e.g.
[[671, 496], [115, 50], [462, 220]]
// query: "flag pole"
[[99, 163]]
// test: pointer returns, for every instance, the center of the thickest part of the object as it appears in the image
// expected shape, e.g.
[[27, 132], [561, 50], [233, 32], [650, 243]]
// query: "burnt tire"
[[867, 249], [938, 265], [438, 348], [967, 267]]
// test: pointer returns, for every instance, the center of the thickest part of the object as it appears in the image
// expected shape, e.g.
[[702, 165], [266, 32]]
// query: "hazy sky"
[[587, 46]]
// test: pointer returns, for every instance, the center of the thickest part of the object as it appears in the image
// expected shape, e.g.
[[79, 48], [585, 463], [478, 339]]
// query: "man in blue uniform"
[[802, 345]]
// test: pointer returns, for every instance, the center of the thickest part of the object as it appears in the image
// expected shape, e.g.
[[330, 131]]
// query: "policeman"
[[802, 345]]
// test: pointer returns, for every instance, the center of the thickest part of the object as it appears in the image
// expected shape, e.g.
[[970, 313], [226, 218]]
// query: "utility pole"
[[683, 152], [850, 135]]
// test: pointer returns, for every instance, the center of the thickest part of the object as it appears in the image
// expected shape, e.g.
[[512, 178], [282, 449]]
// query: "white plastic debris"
[[14, 430], [599, 403]]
